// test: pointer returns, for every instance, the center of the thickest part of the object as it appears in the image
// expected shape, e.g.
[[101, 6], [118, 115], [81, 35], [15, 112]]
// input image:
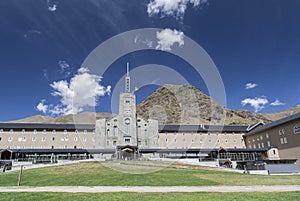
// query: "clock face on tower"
[[127, 121]]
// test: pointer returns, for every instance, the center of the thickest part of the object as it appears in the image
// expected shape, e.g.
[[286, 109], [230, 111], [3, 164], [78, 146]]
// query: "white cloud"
[[147, 42], [65, 68], [52, 5], [250, 85], [32, 32], [42, 107], [277, 103], [257, 103], [45, 73], [77, 95], [63, 65], [167, 38], [174, 8], [52, 8]]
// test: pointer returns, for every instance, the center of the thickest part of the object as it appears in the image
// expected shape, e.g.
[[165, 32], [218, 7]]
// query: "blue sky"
[[43, 44]]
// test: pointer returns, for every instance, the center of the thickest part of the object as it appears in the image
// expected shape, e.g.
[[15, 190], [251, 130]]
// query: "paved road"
[[144, 189]]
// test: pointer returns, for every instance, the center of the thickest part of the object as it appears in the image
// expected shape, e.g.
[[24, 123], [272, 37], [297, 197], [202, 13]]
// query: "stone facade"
[[126, 128], [283, 134], [202, 140], [45, 136]]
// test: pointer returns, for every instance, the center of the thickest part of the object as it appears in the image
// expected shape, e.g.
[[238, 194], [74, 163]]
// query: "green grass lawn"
[[95, 174], [289, 196]]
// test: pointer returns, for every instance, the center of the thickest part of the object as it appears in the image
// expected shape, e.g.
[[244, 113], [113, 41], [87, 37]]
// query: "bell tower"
[[127, 113], [127, 105]]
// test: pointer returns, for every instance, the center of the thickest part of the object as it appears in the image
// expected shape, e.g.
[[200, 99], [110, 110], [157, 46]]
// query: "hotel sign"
[[296, 129]]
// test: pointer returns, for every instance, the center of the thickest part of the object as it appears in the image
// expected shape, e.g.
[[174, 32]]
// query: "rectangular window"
[[127, 105], [281, 141], [127, 141], [115, 131]]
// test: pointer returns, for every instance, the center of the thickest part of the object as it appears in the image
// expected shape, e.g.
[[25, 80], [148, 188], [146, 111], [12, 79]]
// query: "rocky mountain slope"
[[183, 104], [187, 104], [83, 118], [282, 114]]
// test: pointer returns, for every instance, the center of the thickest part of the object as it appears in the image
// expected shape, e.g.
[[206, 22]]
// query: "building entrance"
[[127, 152]]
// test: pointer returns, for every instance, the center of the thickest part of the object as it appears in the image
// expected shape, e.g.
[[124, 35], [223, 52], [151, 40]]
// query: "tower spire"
[[127, 74], [127, 80]]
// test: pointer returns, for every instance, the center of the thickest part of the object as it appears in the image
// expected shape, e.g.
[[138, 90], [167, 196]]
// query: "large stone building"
[[128, 136], [283, 134], [127, 131]]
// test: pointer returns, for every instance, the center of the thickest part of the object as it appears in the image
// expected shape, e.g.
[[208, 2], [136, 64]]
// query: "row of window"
[[260, 145], [166, 133], [23, 131], [43, 139], [43, 147], [127, 141], [201, 140], [283, 140]]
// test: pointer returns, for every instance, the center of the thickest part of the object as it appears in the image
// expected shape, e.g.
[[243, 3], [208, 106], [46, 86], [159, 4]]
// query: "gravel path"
[[144, 189]]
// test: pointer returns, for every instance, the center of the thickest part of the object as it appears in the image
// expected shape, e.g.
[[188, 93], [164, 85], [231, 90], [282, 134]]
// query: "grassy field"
[[95, 174], [289, 196]]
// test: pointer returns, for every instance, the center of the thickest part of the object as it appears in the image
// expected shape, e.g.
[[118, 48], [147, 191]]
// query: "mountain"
[[183, 104], [187, 104], [83, 118], [282, 114], [36, 119]]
